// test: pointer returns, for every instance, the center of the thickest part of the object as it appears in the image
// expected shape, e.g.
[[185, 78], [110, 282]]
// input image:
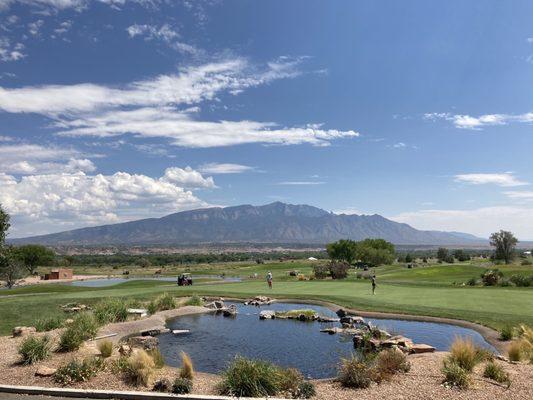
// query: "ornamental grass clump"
[[250, 378], [48, 324], [187, 369], [139, 368], [182, 386], [521, 349], [355, 372], [34, 349], [507, 333], [455, 375], [164, 302], [84, 327], [389, 362], [111, 310], [496, 373], [105, 347], [466, 354], [78, 371], [159, 361], [194, 300]]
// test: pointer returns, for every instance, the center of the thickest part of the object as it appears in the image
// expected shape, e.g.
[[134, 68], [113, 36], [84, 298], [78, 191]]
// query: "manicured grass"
[[424, 290]]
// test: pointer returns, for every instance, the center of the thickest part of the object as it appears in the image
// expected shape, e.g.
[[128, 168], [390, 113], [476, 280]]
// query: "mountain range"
[[272, 223]]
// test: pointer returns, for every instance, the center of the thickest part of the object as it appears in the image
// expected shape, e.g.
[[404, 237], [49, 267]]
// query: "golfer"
[[269, 279]]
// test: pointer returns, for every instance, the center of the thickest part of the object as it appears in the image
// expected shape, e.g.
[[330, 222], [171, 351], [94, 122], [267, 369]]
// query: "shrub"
[[48, 324], [164, 302], [162, 385], [496, 373], [339, 270], [491, 277], [514, 350], [306, 390], [355, 372], [111, 310], [182, 386], [522, 280], [34, 349], [454, 375], [194, 300], [78, 371], [250, 378], [389, 362], [465, 353], [139, 368], [159, 361], [471, 282], [187, 369], [152, 307], [321, 271], [105, 348], [506, 333], [301, 277], [526, 262], [82, 328], [289, 380]]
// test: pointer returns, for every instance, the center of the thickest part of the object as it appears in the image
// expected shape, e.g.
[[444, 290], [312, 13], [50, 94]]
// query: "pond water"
[[102, 282], [214, 340]]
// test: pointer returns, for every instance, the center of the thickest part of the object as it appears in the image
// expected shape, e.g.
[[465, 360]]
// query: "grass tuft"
[[34, 349], [84, 326], [496, 373], [194, 300], [48, 324], [105, 347], [455, 375], [466, 354], [250, 378], [355, 372], [182, 386], [187, 369], [139, 368], [78, 371]]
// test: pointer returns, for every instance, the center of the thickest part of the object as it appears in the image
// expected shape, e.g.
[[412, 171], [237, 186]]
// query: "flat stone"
[[45, 371], [124, 350], [322, 318], [154, 331], [332, 331], [180, 331], [421, 348]]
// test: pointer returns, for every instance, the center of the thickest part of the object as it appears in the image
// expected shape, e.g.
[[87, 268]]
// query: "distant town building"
[[60, 273]]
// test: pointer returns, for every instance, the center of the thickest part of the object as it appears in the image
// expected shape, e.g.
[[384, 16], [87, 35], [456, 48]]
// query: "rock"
[[124, 350], [352, 320], [138, 312], [341, 313], [421, 348], [322, 318], [23, 330], [45, 371], [231, 311], [501, 358], [332, 331], [162, 385], [154, 331], [219, 304], [267, 314], [144, 342], [68, 321]]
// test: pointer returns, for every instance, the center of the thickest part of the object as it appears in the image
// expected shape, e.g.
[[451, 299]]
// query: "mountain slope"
[[271, 223]]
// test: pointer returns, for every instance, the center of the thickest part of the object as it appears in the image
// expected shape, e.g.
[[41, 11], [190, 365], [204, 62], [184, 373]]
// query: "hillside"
[[272, 223]]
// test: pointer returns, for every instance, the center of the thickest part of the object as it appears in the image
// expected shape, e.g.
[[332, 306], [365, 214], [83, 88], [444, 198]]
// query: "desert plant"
[[491, 277], [162, 385], [496, 373], [471, 282], [82, 328], [306, 390], [182, 386], [105, 347], [48, 324], [455, 375], [78, 371], [111, 310], [339, 270], [321, 271], [289, 380], [152, 307], [164, 302], [139, 368], [506, 332], [250, 378], [514, 351], [159, 361], [388, 362], [522, 280], [187, 369], [194, 300], [466, 354], [355, 372], [34, 349]]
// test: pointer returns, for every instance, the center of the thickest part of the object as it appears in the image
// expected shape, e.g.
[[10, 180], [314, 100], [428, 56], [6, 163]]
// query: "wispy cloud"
[[301, 183], [463, 121], [520, 195], [505, 179], [224, 168]]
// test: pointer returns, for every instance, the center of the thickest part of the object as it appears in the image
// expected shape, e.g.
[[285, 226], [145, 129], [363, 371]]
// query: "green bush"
[[105, 348], [321, 271], [496, 373], [162, 385], [506, 333], [471, 282], [182, 386], [491, 277], [82, 328], [355, 372], [164, 302], [194, 300], [290, 380], [306, 390], [111, 310], [522, 280], [34, 349], [48, 324], [454, 375], [250, 378], [526, 262], [78, 371]]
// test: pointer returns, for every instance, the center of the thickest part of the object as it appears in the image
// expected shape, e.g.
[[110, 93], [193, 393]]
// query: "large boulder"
[[23, 331], [144, 342], [341, 313], [267, 314], [421, 348], [125, 350]]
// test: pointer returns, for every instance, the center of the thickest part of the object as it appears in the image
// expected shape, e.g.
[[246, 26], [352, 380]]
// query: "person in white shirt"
[[269, 279]]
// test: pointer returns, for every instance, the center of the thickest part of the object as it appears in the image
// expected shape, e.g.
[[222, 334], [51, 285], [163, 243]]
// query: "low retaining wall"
[[110, 394]]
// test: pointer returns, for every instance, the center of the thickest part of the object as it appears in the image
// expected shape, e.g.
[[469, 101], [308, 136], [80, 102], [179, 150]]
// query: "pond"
[[215, 340], [102, 282]]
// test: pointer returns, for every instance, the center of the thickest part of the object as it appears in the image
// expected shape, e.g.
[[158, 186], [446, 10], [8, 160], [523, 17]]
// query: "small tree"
[[33, 255], [4, 226], [504, 243], [442, 254], [343, 250], [408, 258], [10, 267]]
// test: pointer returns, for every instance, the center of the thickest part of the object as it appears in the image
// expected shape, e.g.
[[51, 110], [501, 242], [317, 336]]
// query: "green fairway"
[[436, 290]]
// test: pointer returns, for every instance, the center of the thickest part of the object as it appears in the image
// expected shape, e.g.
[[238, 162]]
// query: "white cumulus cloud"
[[464, 121]]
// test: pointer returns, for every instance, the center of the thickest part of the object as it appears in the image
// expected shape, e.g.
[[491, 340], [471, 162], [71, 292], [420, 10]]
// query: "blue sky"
[[112, 110]]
